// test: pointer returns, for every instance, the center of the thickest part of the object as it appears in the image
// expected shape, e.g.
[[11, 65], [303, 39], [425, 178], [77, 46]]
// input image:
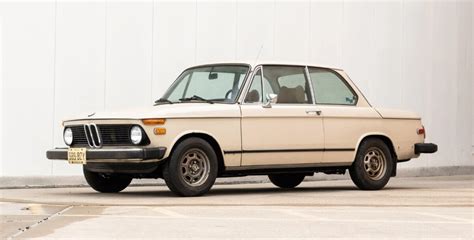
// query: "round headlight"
[[68, 136], [136, 134]]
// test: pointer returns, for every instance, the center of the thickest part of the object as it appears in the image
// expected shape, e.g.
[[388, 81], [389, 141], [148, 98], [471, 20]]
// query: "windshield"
[[218, 83]]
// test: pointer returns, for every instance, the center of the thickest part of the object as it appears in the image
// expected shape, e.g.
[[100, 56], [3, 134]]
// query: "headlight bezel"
[[139, 135], [68, 136]]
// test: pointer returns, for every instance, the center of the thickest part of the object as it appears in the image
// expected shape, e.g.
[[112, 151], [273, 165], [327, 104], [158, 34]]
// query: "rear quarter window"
[[329, 88]]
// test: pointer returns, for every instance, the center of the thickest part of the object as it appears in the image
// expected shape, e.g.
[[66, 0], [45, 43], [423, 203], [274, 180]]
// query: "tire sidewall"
[[358, 173], [172, 172]]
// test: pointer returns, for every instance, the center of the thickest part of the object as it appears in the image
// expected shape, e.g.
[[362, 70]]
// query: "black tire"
[[286, 180], [373, 155], [183, 175], [106, 183]]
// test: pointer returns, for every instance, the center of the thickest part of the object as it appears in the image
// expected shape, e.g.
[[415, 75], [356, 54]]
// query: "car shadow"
[[275, 190], [229, 191], [148, 191]]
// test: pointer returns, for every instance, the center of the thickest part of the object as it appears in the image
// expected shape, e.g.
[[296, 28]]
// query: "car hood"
[[177, 110], [397, 113]]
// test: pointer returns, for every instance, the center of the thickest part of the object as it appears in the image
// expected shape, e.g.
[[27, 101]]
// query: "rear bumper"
[[113, 155], [425, 148]]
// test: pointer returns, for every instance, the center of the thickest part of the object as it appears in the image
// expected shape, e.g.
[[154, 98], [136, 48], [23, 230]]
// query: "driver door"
[[287, 132]]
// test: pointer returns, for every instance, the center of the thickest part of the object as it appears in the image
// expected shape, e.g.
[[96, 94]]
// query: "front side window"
[[289, 83], [329, 88], [220, 83]]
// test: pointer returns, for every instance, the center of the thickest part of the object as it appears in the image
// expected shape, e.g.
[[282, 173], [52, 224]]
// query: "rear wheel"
[[106, 183], [373, 165], [286, 180], [192, 168]]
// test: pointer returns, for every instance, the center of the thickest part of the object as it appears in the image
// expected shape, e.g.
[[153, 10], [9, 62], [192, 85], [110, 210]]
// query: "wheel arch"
[[384, 137], [209, 138]]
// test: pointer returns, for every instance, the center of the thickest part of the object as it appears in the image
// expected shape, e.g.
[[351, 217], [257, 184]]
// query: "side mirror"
[[271, 98]]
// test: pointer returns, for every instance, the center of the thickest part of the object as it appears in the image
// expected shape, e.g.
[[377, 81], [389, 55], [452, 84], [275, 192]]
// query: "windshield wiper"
[[195, 97], [162, 100]]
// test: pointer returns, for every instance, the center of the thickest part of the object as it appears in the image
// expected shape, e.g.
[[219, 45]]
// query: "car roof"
[[254, 64]]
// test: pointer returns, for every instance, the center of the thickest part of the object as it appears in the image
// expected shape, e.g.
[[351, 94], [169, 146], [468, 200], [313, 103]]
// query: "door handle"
[[314, 112]]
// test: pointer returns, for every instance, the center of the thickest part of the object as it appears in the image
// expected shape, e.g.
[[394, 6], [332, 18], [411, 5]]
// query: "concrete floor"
[[424, 207]]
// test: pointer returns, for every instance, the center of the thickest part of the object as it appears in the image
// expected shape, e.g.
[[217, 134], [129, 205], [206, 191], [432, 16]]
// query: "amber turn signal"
[[159, 131], [154, 121]]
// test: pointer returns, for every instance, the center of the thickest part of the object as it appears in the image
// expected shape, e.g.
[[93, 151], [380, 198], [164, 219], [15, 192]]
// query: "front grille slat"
[[108, 135], [95, 135], [116, 134]]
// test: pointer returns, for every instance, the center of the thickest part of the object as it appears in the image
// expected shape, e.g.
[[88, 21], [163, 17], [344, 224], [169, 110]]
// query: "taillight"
[[421, 131]]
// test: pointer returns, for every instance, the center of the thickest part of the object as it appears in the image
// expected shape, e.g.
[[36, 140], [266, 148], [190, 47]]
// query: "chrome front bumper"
[[118, 155]]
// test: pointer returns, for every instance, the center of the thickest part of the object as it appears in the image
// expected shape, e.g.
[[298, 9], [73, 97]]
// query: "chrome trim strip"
[[402, 118], [310, 82], [98, 135], [90, 135], [248, 84], [288, 166], [86, 132], [291, 150]]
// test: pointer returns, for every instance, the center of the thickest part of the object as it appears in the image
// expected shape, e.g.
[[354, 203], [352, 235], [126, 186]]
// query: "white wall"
[[60, 58], [1, 100]]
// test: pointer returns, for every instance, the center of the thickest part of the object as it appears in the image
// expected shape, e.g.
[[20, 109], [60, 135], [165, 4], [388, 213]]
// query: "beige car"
[[286, 121]]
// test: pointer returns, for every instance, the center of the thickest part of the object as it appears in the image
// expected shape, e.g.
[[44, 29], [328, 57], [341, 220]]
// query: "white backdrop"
[[61, 58]]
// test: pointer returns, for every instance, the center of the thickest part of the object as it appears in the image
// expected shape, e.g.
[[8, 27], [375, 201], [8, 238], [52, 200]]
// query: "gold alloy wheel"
[[194, 166], [375, 163]]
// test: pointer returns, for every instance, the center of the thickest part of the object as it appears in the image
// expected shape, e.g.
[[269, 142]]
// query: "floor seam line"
[[44, 220]]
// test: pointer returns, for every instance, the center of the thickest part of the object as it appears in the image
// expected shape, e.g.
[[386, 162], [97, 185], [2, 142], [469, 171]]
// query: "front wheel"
[[286, 180], [192, 168], [373, 165], [106, 183]]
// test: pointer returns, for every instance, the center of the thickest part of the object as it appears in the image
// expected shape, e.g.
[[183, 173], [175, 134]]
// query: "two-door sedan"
[[286, 121]]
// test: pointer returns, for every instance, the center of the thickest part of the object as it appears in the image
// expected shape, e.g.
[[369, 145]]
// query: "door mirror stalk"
[[270, 98]]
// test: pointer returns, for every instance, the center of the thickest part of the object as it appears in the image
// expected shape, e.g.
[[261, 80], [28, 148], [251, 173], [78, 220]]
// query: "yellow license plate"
[[76, 155]]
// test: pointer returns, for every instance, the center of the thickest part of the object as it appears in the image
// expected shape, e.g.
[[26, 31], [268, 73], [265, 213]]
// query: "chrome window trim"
[[248, 83], [310, 82], [263, 90]]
